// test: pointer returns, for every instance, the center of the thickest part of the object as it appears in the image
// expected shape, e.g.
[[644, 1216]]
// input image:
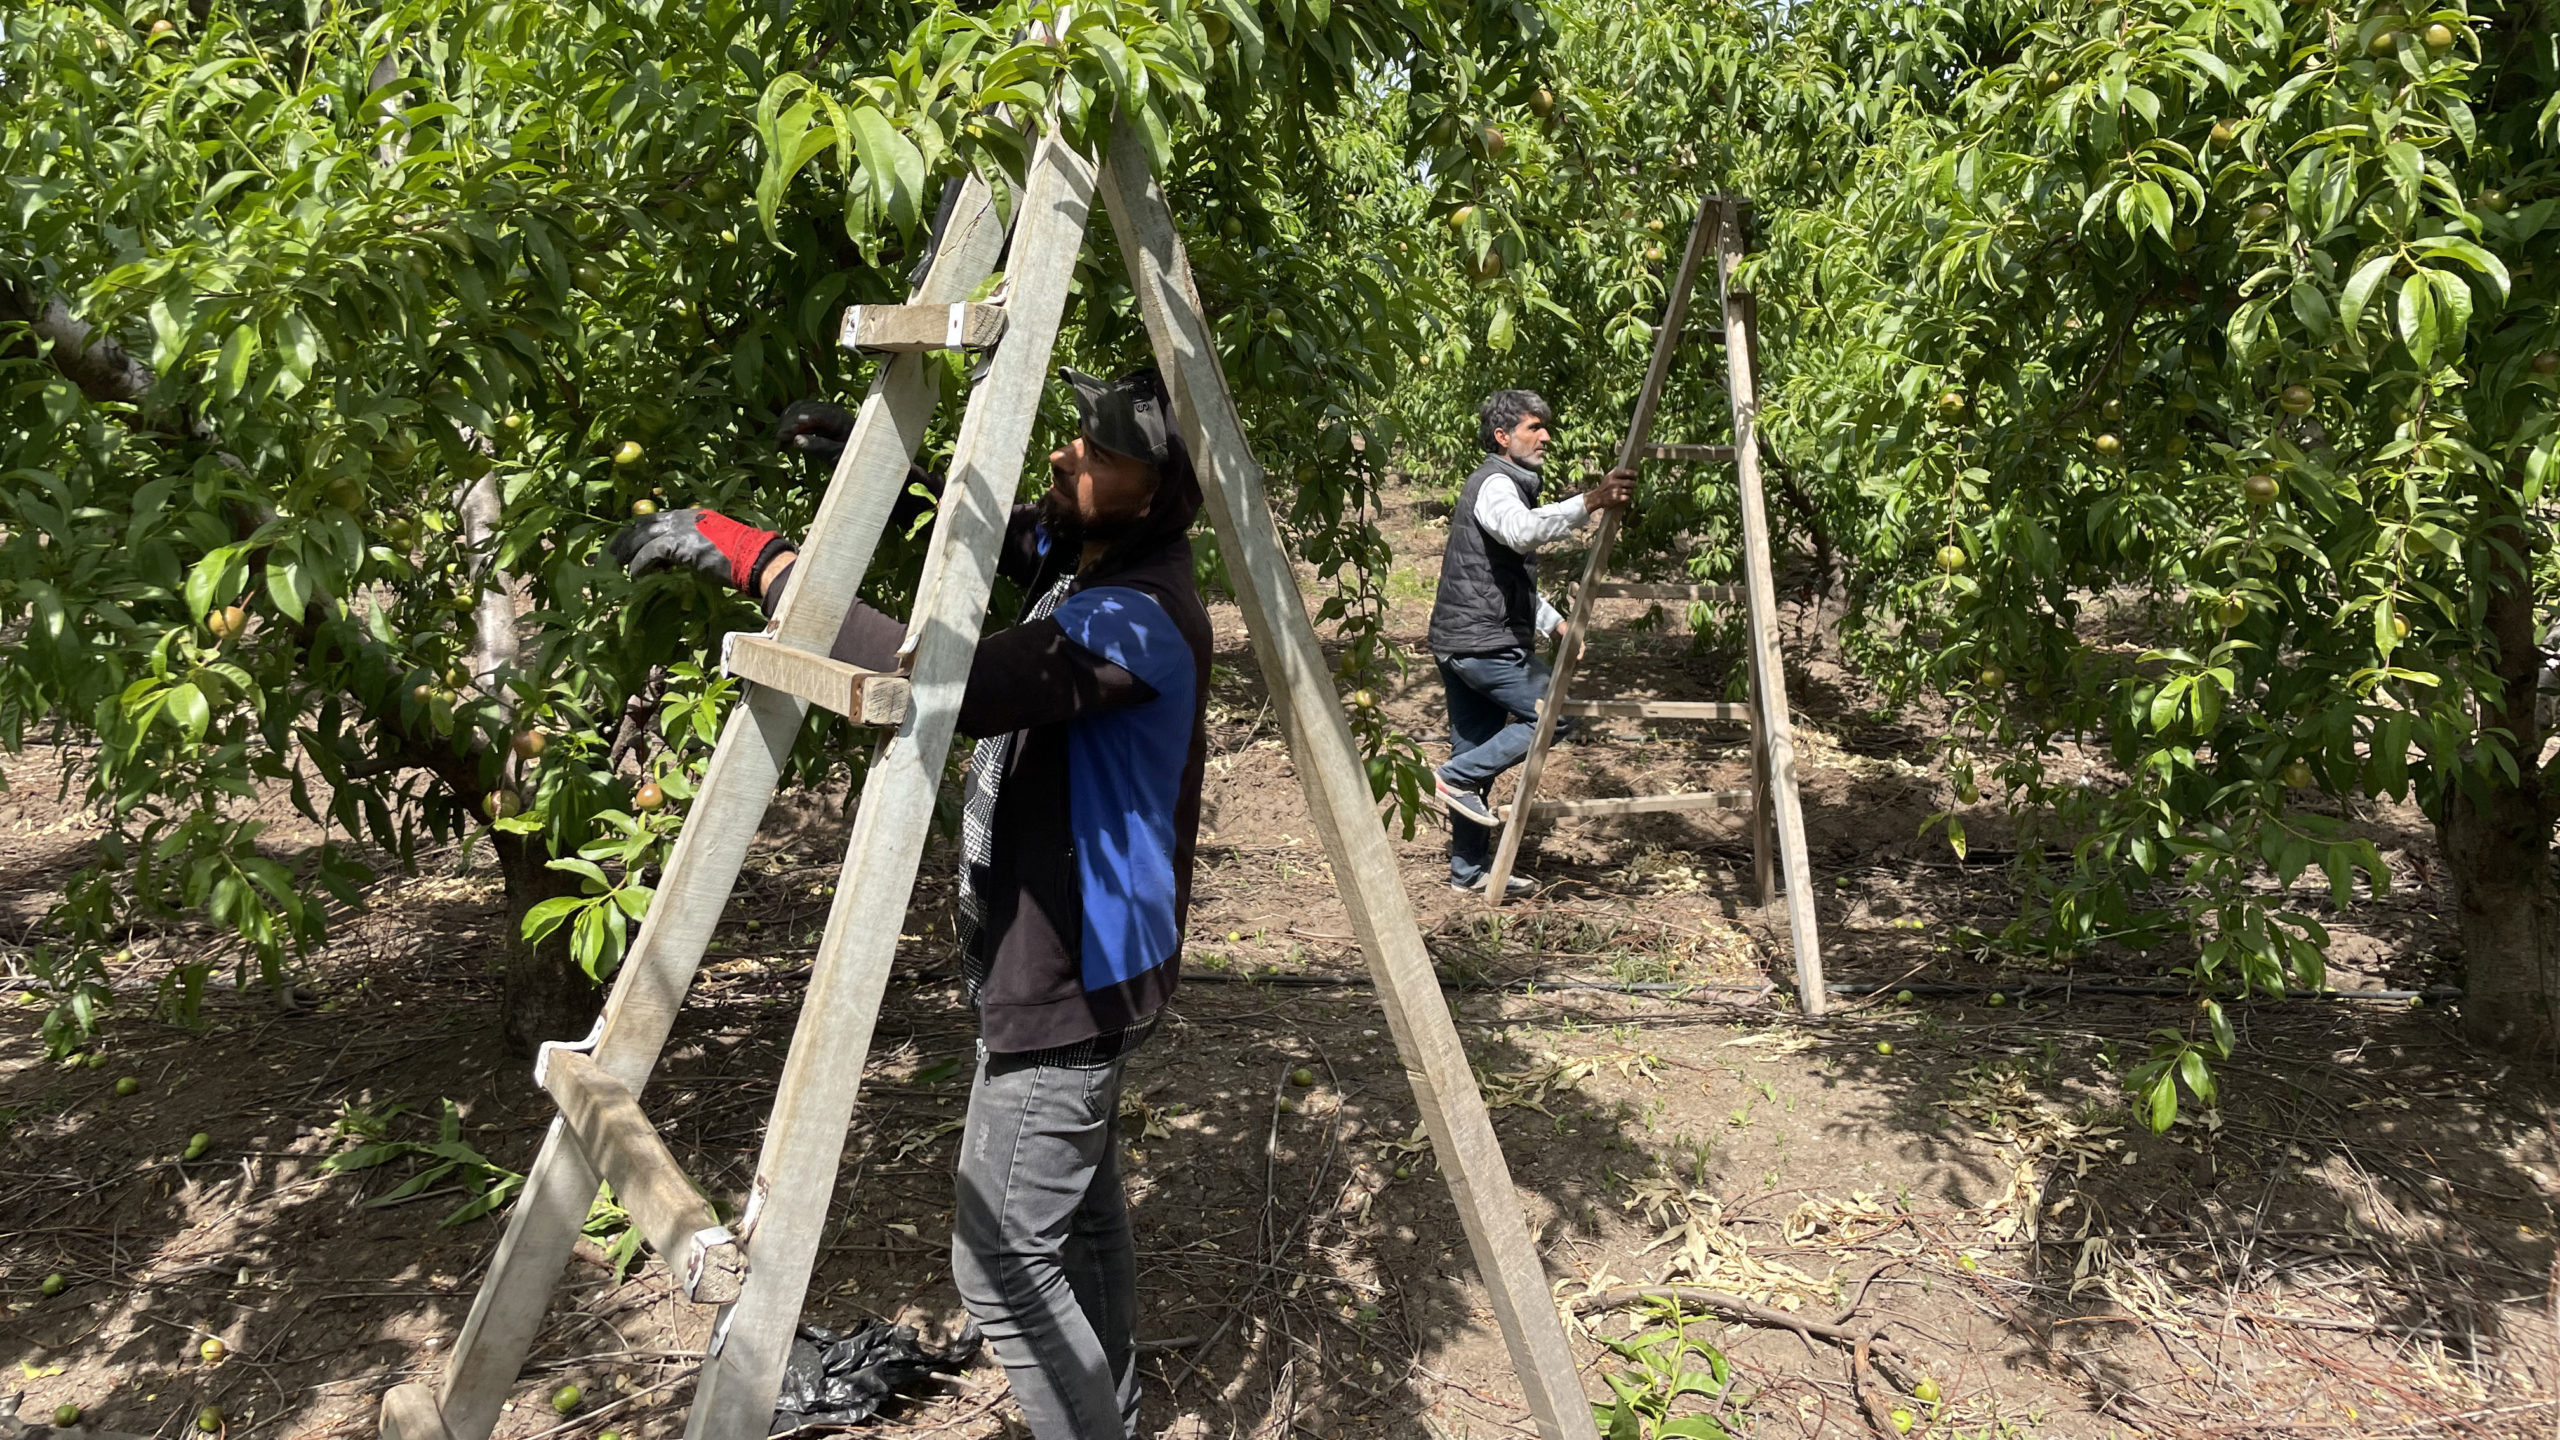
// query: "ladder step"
[[1630, 590], [1657, 709], [410, 1412], [1699, 454], [906, 328], [1644, 804], [608, 1124], [865, 697]]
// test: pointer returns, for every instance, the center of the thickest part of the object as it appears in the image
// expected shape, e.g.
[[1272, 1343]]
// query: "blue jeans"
[[1493, 717], [1040, 1248]]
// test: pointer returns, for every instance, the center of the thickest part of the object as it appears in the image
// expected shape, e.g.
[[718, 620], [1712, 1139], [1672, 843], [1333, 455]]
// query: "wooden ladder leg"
[[1767, 666], [1763, 877], [1666, 344], [804, 1140], [1515, 826], [1337, 789], [550, 1212]]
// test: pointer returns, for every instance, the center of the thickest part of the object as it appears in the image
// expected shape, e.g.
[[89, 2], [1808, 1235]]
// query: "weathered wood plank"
[[738, 786], [912, 329], [621, 1144], [1695, 454], [1666, 344], [1644, 804], [866, 697], [1777, 730], [804, 1139], [1337, 790], [1657, 709], [1637, 590]]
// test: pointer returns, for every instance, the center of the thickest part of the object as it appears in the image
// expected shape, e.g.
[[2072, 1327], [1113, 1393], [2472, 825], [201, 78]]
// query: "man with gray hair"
[[1489, 615]]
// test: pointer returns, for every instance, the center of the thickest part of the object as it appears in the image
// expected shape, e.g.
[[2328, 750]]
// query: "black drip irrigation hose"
[[2020, 989]]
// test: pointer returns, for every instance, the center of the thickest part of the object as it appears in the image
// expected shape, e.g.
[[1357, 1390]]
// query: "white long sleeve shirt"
[[1509, 520]]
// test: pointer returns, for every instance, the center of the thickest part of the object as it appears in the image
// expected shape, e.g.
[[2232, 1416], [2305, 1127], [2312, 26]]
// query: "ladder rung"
[[608, 1124], [410, 1412], [1701, 454], [1645, 804], [903, 328], [1657, 709], [1630, 590], [865, 697]]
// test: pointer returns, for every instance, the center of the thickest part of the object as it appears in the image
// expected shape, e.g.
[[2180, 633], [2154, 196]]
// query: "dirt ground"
[[2358, 1242]]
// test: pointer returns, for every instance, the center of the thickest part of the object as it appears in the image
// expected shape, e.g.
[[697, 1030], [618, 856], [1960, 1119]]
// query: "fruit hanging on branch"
[[1951, 558], [2261, 488]]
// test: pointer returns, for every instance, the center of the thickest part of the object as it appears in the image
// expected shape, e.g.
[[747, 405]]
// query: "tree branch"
[[86, 355]]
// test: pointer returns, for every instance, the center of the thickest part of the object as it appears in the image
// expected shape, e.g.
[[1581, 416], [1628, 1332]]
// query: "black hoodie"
[[1088, 887]]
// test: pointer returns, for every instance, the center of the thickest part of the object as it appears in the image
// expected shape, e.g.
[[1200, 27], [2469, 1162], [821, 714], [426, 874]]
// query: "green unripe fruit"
[[2297, 774], [1232, 228], [2260, 488], [1903, 1420], [1926, 1392], [66, 1416], [2224, 133], [627, 453], [565, 1399], [1884, 1047], [1459, 217], [1967, 793], [1951, 558], [130, 1085], [54, 1284], [1404, 1172], [588, 276], [213, 1350], [1905, 998], [1543, 103], [209, 1420], [2114, 408], [2232, 610], [2494, 201], [2547, 363], [2108, 445], [1993, 677], [2385, 43], [1302, 1077], [2174, 447], [2439, 37], [1996, 999], [2261, 213], [1951, 403], [2297, 399], [1966, 1262], [197, 1144]]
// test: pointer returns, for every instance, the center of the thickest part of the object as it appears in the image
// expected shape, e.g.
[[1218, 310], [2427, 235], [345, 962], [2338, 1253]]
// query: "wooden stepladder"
[[757, 1271], [1719, 228]]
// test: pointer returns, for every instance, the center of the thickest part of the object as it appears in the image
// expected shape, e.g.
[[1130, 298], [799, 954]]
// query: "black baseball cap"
[[1130, 416]]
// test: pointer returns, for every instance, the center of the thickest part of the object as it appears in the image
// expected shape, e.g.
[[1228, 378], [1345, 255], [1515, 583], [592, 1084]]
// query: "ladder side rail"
[[1337, 790], [550, 1212], [1769, 679], [804, 1140], [1666, 342]]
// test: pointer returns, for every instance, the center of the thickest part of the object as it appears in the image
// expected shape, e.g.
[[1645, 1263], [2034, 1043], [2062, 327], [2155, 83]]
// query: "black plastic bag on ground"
[[833, 1379]]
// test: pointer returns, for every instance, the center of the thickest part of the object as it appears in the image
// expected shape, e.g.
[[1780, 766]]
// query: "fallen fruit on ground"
[[197, 1144], [565, 1399], [1884, 1047], [1302, 1077], [1996, 998], [209, 1419], [212, 1350], [1926, 1390], [1904, 998], [1902, 1421], [129, 1085], [1967, 1262], [66, 1416], [55, 1283]]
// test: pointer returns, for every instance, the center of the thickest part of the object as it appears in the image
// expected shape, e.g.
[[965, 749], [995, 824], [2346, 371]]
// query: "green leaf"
[[231, 370], [186, 705], [2418, 317], [2360, 288]]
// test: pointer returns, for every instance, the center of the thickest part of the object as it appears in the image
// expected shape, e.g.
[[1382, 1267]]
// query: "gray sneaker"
[[1512, 889], [1467, 805]]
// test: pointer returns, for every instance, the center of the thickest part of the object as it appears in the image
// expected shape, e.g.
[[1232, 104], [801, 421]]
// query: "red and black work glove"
[[706, 541]]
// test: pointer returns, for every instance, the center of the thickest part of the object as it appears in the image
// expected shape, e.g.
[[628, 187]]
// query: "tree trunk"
[[548, 997], [2496, 840]]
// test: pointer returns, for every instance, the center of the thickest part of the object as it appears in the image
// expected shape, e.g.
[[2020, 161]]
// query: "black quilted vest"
[[1488, 591]]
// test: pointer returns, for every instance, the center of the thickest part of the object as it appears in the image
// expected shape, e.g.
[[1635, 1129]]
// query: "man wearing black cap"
[[1082, 801]]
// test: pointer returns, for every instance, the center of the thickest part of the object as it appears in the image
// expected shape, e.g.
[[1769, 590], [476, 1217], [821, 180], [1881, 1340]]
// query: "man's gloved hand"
[[815, 429], [709, 542]]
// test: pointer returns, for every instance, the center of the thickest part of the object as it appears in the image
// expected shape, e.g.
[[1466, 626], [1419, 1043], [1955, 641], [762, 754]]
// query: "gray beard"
[[1532, 466]]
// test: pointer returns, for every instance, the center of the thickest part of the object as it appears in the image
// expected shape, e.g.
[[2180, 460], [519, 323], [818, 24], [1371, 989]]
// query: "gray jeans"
[[1040, 1246]]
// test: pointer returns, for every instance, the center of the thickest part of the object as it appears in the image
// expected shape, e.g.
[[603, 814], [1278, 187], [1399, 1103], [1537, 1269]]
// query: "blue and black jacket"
[[1088, 887]]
